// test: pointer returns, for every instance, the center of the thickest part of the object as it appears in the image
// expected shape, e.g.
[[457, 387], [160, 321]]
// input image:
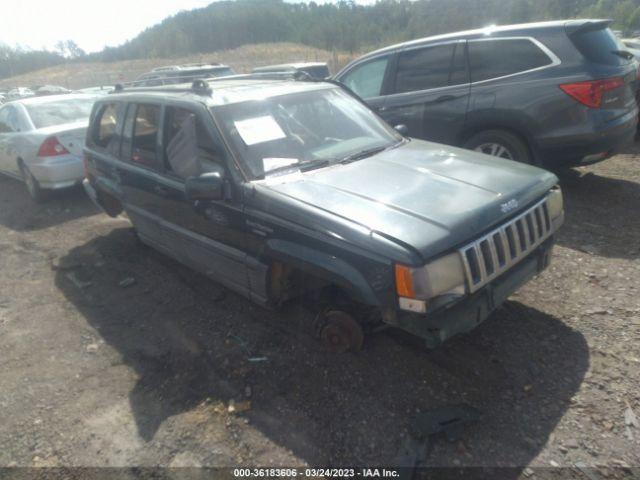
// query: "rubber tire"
[[519, 150], [36, 192]]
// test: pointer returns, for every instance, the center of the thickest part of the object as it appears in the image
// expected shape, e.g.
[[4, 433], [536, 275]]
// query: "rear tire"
[[500, 143], [33, 187]]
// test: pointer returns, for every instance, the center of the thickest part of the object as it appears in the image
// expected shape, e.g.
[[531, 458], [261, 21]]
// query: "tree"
[[69, 49]]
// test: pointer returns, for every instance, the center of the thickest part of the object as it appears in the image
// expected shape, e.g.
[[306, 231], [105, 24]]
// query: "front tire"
[[499, 143], [33, 187]]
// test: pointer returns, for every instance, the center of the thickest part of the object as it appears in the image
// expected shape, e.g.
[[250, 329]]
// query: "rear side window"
[[598, 46], [107, 126], [145, 135], [498, 58], [189, 149], [366, 79], [424, 68]]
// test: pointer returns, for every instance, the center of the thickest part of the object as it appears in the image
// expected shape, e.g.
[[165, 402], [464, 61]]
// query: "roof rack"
[[198, 86], [283, 75], [202, 86]]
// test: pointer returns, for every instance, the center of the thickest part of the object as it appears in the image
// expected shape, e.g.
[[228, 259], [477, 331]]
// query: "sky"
[[91, 24]]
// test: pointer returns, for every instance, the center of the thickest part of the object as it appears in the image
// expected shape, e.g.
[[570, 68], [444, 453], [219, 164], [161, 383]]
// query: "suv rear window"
[[498, 58], [598, 46]]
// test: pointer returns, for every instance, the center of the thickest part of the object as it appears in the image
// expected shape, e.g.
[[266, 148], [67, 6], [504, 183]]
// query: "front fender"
[[325, 266]]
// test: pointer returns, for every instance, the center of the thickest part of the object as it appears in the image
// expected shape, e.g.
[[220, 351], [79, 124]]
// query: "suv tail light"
[[590, 93], [51, 147]]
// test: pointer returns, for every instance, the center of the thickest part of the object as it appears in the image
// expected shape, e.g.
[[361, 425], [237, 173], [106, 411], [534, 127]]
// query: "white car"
[[632, 43], [20, 92], [41, 141]]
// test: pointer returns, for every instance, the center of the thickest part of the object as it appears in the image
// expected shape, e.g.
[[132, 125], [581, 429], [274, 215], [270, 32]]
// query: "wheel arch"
[[509, 123], [285, 258]]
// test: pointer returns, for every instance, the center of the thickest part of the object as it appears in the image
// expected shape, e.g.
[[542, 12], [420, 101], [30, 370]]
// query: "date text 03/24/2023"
[[315, 472]]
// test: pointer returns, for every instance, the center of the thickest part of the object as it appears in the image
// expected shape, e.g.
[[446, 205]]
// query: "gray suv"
[[294, 189], [552, 93]]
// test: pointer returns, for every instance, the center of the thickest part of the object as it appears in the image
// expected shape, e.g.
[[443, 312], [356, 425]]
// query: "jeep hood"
[[425, 196]]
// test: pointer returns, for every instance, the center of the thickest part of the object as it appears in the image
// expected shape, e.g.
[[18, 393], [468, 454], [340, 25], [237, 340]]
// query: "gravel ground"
[[114, 355]]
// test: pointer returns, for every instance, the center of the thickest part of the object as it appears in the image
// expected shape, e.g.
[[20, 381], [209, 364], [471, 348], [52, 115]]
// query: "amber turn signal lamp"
[[404, 282]]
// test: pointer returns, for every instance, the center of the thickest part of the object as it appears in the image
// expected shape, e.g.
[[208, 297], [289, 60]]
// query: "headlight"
[[435, 278], [555, 203]]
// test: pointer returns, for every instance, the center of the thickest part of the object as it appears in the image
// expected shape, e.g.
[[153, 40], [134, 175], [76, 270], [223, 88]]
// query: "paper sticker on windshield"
[[259, 130], [273, 163]]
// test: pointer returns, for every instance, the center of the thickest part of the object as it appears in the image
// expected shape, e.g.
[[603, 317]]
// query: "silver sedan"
[[41, 141]]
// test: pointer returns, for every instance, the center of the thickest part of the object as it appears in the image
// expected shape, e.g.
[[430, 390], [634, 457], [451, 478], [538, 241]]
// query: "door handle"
[[381, 109], [445, 98], [160, 190]]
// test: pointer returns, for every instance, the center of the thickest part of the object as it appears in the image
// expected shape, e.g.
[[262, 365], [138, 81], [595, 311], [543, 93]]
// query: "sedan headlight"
[[555, 204], [435, 278]]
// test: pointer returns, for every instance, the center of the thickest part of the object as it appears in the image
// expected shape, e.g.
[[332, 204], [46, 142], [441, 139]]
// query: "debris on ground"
[[81, 284], [239, 407], [630, 418], [126, 282], [449, 420]]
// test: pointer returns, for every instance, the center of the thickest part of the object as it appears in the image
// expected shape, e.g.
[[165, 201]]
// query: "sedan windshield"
[[302, 131], [60, 111]]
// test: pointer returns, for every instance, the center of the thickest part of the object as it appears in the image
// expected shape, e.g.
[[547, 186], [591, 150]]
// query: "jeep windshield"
[[302, 131]]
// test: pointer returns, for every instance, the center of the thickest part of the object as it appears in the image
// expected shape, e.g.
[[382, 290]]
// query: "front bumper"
[[57, 172], [469, 312]]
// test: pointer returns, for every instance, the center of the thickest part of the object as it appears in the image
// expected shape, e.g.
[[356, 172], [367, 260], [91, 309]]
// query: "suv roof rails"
[[201, 86], [198, 86], [283, 75]]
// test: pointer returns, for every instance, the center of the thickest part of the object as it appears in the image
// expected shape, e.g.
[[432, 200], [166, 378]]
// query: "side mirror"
[[208, 186], [402, 129]]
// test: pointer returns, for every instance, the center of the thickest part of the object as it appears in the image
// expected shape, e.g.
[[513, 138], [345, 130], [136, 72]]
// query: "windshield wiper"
[[624, 54], [312, 164], [300, 166], [367, 152]]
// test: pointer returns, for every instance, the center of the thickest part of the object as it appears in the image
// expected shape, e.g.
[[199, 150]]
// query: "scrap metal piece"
[[450, 420], [415, 449]]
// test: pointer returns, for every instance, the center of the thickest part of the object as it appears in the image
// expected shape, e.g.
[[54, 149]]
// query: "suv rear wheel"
[[500, 143]]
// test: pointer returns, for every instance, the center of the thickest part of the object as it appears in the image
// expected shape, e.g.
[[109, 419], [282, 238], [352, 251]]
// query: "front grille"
[[493, 254]]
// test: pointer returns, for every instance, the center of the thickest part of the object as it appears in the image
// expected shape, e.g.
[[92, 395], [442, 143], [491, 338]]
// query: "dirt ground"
[[113, 355]]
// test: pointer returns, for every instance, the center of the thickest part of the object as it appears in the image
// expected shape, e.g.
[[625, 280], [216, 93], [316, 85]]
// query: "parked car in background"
[[316, 70], [19, 92], [51, 90], [100, 90], [284, 189], [631, 43], [173, 74], [553, 93], [41, 141]]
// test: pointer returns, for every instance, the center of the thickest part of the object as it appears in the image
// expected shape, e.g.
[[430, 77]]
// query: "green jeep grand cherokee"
[[281, 189]]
